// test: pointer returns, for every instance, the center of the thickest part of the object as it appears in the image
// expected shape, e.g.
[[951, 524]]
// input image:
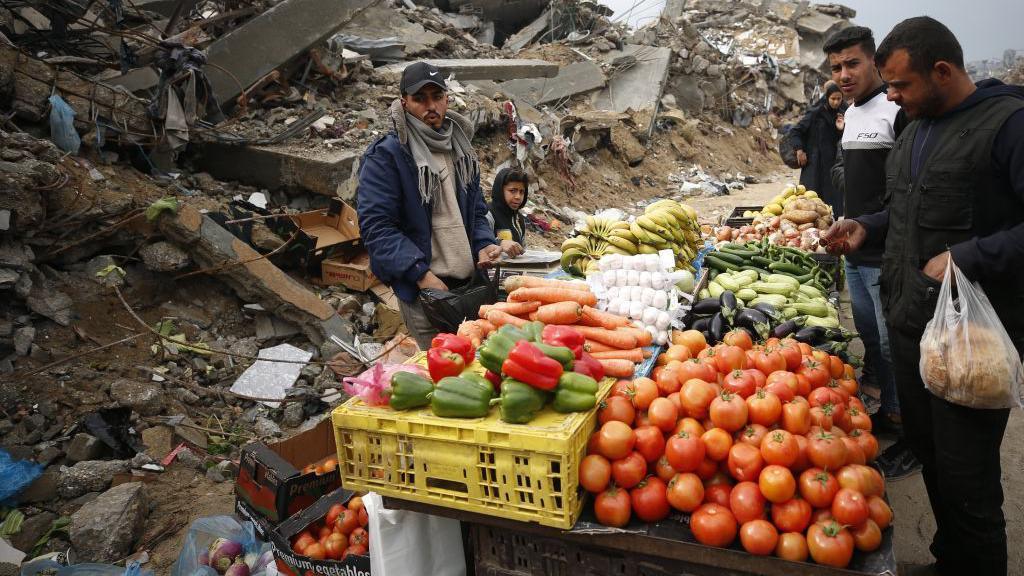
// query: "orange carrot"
[[635, 355], [643, 337], [560, 313], [602, 319], [615, 338], [486, 326], [515, 282], [647, 353], [549, 295], [618, 368], [513, 308], [499, 319], [592, 346]]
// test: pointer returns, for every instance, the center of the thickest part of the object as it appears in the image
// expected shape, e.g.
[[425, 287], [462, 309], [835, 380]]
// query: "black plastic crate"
[[500, 552], [736, 217]]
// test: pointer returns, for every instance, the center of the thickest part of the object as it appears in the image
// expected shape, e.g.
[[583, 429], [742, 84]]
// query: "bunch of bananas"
[[665, 224]]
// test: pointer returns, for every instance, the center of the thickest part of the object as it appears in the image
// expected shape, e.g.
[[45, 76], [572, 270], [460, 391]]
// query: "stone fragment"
[[105, 530], [89, 476]]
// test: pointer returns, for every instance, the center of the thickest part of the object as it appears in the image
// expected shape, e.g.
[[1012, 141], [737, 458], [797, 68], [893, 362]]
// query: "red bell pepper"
[[563, 336], [528, 364], [442, 363], [587, 364], [461, 346], [494, 379]]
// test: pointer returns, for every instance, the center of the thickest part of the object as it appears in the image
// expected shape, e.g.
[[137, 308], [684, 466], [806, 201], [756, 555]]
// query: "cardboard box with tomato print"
[[276, 481], [329, 537]]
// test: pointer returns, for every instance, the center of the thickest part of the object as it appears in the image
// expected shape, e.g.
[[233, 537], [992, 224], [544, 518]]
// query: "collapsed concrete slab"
[[529, 33], [255, 279], [483, 69], [273, 167], [638, 87], [272, 39], [576, 78], [26, 84]]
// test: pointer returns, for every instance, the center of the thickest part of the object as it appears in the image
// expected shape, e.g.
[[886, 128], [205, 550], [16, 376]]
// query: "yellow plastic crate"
[[527, 472]]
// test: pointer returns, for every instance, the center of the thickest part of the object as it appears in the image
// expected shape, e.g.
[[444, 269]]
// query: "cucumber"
[[726, 256], [714, 262], [787, 267]]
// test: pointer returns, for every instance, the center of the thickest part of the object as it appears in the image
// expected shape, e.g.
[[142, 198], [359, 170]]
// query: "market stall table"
[[667, 546]]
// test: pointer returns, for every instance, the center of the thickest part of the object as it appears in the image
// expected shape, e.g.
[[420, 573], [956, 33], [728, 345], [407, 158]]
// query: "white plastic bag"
[[967, 357], [404, 543]]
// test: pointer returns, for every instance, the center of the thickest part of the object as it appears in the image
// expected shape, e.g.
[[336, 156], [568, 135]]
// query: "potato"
[[800, 216]]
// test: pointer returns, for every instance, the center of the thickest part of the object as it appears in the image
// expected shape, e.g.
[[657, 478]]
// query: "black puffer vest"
[[952, 200]]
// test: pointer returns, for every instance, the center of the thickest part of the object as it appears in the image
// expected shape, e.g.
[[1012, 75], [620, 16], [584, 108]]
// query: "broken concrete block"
[[105, 529], [528, 33], [576, 78], [144, 397], [281, 33], [46, 300], [84, 447], [482, 69], [639, 87], [272, 168], [23, 338], [158, 440], [164, 257], [89, 476], [258, 280]]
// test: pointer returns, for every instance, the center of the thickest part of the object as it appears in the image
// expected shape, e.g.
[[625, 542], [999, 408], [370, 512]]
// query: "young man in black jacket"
[[872, 124], [955, 188]]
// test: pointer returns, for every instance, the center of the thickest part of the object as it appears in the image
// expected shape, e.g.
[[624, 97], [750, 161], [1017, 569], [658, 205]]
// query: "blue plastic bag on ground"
[[194, 558], [62, 125], [15, 476]]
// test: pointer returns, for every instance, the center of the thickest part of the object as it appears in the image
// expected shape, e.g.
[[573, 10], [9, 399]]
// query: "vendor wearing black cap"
[[422, 216]]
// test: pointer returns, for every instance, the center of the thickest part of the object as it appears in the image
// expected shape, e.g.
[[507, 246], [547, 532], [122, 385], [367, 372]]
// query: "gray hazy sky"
[[984, 27]]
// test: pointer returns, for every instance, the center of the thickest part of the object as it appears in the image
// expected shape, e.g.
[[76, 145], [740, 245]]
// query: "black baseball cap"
[[419, 74]]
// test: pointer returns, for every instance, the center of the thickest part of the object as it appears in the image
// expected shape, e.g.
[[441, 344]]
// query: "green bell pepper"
[[409, 390], [457, 397], [520, 402], [533, 330], [495, 349], [479, 380], [563, 355], [575, 393]]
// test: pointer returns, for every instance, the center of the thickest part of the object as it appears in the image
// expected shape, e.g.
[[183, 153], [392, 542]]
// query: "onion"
[[735, 234], [790, 233], [723, 233], [776, 221], [223, 552]]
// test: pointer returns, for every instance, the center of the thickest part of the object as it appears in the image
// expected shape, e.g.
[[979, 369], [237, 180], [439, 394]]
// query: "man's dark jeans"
[[958, 448]]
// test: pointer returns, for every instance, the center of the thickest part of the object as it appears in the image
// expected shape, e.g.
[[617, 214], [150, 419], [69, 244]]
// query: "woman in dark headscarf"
[[816, 140], [508, 195]]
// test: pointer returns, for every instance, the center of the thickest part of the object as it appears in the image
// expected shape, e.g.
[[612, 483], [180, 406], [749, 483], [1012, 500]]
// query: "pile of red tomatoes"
[[765, 443]]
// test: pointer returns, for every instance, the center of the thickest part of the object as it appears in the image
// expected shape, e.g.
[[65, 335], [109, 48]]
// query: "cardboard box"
[[322, 235], [260, 523], [292, 564], [350, 271], [270, 478]]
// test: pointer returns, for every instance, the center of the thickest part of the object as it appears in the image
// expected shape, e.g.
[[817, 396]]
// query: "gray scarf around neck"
[[423, 141]]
